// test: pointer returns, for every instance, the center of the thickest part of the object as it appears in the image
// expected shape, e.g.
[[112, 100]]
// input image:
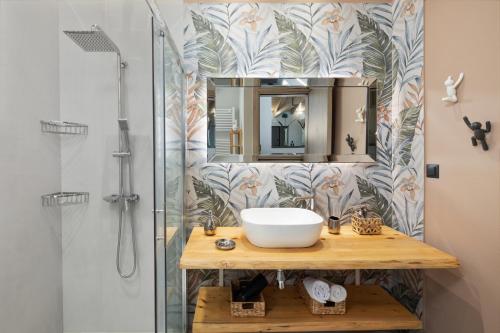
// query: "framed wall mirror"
[[291, 120]]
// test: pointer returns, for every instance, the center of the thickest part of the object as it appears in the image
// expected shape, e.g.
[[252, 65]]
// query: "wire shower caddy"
[[63, 127], [64, 198]]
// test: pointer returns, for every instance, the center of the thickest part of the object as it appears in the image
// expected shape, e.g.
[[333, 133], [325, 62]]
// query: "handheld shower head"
[[93, 40], [123, 125]]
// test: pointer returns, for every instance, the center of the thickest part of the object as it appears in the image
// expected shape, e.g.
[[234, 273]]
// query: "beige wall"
[[463, 206]]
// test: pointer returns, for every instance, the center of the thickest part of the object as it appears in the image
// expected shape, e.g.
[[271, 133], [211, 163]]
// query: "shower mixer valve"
[[114, 198]]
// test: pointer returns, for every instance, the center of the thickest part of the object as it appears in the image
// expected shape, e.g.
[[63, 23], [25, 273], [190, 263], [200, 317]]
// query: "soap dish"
[[225, 244]]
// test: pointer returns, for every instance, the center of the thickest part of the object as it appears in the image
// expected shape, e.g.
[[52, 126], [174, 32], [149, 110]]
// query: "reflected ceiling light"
[[302, 82]]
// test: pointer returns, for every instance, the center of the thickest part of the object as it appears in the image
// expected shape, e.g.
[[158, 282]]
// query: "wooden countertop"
[[368, 308], [348, 250]]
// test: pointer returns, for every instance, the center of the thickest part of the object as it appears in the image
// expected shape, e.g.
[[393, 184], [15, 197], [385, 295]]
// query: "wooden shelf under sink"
[[348, 250], [368, 308]]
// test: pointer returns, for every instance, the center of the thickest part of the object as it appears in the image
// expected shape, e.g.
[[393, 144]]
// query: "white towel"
[[317, 289], [337, 293]]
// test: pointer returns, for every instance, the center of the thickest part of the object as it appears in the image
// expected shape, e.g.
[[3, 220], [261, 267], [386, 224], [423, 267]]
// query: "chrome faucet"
[[311, 204]]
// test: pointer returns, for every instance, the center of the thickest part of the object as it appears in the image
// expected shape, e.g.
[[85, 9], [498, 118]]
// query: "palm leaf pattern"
[[342, 205], [224, 15], [226, 178], [377, 57], [380, 40], [306, 15], [215, 55], [410, 50], [380, 13], [260, 201], [410, 218], [380, 174], [375, 200], [304, 177], [298, 56], [408, 120], [341, 56], [287, 194], [209, 201], [259, 55]]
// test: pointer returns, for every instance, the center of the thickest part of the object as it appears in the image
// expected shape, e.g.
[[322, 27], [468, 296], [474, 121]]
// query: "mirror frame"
[[369, 157]]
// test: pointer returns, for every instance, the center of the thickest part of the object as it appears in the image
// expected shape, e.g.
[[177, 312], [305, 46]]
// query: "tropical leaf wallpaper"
[[324, 40]]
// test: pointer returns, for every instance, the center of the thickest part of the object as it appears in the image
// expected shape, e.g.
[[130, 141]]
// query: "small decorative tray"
[[371, 225], [317, 308], [256, 308]]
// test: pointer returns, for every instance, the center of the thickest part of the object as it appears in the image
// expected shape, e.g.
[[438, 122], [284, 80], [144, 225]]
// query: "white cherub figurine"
[[360, 114], [451, 88]]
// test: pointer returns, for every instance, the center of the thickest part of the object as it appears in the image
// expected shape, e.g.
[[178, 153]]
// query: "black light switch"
[[432, 170]]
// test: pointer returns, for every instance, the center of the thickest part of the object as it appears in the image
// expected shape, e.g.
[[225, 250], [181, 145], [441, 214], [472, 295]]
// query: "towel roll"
[[337, 293], [317, 289]]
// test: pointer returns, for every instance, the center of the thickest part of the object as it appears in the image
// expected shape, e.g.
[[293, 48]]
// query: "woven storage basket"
[[371, 225], [318, 308], [247, 309]]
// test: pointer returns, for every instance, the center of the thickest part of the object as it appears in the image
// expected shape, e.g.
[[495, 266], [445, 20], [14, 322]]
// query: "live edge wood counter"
[[348, 250]]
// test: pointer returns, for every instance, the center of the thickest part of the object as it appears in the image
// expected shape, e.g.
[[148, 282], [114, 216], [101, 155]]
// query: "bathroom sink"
[[281, 227]]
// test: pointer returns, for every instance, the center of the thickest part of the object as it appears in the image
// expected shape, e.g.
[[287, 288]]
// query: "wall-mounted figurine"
[[479, 133], [451, 88], [350, 142], [360, 114]]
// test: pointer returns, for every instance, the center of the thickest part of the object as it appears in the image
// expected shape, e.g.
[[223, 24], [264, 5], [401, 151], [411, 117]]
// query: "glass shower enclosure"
[[169, 146]]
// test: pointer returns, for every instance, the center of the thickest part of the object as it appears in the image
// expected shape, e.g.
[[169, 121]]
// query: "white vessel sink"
[[281, 227]]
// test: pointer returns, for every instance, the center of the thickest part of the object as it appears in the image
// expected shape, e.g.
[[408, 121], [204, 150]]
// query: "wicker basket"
[[247, 309], [317, 308], [371, 225]]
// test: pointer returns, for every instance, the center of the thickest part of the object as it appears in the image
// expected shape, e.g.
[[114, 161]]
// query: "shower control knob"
[[132, 197], [114, 198]]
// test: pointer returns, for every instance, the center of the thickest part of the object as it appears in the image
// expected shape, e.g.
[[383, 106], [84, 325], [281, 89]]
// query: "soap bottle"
[[210, 225]]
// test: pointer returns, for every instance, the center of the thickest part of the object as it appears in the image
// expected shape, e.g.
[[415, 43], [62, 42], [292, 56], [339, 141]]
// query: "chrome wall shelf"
[[63, 127], [64, 198]]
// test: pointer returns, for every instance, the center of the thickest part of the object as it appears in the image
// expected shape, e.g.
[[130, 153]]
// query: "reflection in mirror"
[[291, 119], [282, 124]]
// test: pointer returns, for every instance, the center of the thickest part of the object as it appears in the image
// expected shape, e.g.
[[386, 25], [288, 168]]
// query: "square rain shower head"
[[94, 40]]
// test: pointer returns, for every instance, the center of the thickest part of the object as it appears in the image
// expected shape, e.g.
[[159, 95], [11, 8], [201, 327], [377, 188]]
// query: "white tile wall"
[[30, 236]]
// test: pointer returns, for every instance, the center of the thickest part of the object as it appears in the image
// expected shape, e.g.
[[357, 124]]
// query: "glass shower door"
[[169, 180]]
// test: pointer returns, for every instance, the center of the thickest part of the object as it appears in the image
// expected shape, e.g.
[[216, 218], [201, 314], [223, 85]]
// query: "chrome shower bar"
[[97, 41]]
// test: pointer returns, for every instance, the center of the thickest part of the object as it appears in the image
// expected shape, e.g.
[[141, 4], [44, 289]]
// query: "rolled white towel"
[[317, 289], [337, 293]]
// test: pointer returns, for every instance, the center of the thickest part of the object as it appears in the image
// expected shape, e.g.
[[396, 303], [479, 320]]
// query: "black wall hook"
[[479, 133]]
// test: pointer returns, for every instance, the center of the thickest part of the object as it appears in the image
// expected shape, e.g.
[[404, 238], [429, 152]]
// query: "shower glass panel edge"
[[169, 180]]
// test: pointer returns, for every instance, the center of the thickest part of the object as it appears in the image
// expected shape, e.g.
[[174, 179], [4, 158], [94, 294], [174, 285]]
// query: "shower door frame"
[[159, 211]]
